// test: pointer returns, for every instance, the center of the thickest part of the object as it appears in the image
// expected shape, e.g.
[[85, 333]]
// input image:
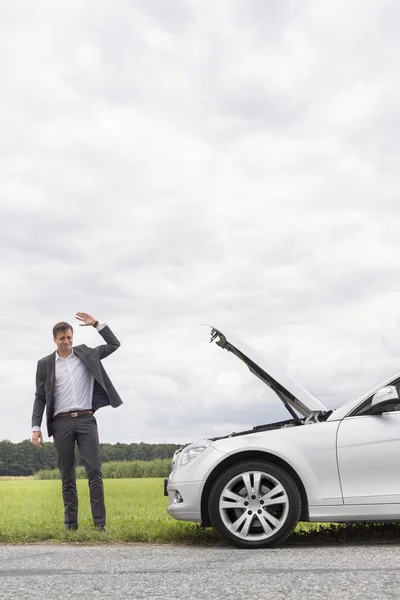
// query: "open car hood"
[[291, 393]]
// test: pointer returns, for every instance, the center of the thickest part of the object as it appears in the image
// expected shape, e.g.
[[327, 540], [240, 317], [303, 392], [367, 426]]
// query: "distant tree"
[[23, 458]]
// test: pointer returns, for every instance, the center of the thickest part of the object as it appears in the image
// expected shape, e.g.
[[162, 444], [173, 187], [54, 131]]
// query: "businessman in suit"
[[71, 383]]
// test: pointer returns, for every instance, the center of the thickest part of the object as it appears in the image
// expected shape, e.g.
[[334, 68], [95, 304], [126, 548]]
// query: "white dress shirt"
[[73, 387]]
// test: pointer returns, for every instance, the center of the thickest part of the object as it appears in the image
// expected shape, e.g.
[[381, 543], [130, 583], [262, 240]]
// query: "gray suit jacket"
[[104, 393]]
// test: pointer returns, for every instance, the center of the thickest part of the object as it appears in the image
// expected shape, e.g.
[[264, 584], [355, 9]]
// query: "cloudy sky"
[[168, 164]]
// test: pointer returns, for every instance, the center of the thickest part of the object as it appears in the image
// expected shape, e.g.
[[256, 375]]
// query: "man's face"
[[63, 341]]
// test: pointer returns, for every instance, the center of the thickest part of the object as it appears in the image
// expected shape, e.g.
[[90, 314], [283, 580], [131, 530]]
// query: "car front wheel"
[[254, 505]]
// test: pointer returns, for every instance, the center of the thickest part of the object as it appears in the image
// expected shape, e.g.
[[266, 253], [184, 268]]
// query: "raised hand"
[[85, 318]]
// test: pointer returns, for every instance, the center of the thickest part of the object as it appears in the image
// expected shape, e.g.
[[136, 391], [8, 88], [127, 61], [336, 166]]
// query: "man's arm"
[[38, 408], [112, 343]]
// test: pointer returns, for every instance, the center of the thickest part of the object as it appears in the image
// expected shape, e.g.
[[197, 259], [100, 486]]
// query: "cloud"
[[230, 164]]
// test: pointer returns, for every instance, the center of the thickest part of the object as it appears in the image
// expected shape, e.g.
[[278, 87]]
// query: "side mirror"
[[384, 400]]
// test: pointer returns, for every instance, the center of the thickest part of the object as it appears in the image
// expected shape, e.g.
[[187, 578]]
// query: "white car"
[[321, 465]]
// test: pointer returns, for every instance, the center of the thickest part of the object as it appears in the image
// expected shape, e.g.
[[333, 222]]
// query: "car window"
[[365, 407]]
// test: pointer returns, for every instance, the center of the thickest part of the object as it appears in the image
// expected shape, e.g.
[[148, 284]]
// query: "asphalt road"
[[185, 573]]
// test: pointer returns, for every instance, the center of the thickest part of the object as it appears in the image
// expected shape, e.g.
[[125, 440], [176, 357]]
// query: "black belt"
[[75, 413]]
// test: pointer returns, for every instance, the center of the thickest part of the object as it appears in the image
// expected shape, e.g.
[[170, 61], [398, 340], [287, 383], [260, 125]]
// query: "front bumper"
[[185, 484], [185, 500]]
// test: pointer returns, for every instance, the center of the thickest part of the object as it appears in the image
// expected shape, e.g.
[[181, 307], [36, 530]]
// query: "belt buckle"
[[74, 414]]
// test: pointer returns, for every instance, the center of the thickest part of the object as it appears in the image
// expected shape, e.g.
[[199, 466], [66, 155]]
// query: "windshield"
[[373, 389]]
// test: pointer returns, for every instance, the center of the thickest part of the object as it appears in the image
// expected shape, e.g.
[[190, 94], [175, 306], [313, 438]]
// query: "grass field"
[[32, 511]]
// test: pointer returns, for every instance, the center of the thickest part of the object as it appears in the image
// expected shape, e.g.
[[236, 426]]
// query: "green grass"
[[122, 469], [32, 511]]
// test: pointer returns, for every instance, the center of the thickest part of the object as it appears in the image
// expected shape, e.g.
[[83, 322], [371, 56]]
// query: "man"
[[72, 384]]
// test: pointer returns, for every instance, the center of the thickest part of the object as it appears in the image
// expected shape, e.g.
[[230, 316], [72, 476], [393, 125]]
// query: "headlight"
[[192, 452], [176, 457]]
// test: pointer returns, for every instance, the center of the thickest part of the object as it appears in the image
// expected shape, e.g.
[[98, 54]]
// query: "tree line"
[[24, 459]]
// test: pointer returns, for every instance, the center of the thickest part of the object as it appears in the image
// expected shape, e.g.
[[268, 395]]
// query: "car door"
[[368, 451]]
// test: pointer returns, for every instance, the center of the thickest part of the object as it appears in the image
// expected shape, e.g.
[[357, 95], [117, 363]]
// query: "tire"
[[239, 504]]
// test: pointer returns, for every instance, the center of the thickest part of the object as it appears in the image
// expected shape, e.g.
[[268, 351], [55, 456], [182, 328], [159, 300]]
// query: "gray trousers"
[[83, 431]]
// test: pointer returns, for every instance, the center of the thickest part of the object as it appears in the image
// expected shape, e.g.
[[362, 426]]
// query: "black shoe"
[[101, 528], [73, 526]]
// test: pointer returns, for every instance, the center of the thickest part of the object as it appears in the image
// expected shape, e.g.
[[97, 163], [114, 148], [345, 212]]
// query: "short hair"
[[61, 326]]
